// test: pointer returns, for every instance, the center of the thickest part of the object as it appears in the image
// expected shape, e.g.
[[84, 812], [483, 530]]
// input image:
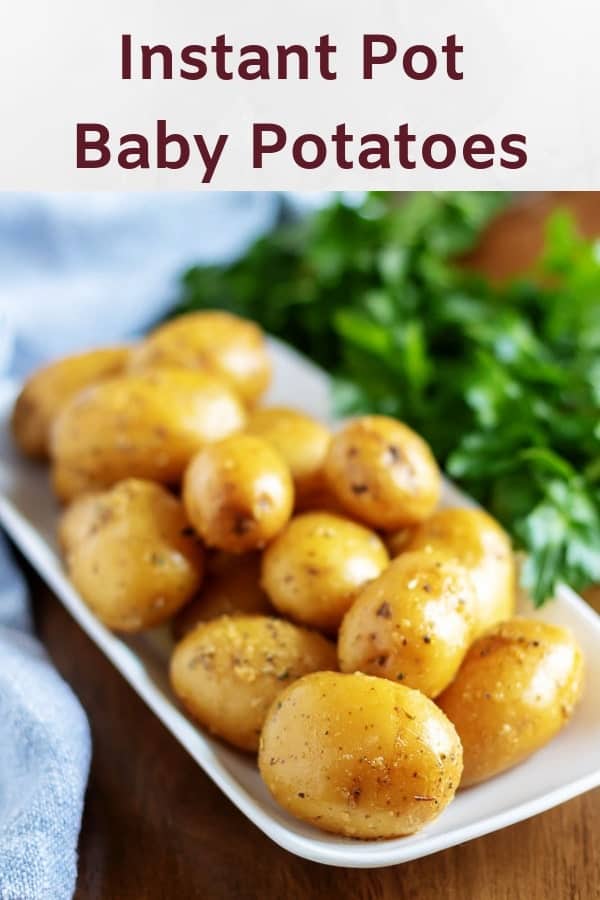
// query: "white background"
[[530, 66]]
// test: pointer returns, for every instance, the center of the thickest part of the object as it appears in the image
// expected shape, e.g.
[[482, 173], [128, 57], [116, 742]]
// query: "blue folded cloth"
[[77, 270]]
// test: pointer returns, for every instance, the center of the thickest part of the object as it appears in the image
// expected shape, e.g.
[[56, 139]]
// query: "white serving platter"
[[568, 766]]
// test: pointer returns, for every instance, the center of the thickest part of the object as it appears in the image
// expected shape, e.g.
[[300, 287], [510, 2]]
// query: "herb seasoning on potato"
[[517, 687], [130, 554], [481, 545], [359, 756], [147, 425], [412, 625], [228, 672], [315, 568], [382, 473], [238, 493]]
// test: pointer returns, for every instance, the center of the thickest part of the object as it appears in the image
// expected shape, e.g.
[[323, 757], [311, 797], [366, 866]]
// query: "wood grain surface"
[[156, 828]]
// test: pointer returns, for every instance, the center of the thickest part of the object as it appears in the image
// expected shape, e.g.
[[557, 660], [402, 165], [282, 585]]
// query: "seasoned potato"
[[48, 389], [238, 493], [516, 688], [234, 589], [132, 556], [228, 672], [359, 756], [315, 568], [481, 545], [217, 342], [382, 473], [143, 426], [412, 624], [302, 442]]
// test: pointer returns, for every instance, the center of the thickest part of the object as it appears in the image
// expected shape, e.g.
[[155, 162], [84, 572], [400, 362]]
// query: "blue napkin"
[[77, 270]]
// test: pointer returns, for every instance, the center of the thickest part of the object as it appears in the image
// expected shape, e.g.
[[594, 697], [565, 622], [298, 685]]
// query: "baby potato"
[[227, 672], [516, 688], [48, 389], [78, 520], [217, 342], [382, 473], [133, 559], [479, 543], [143, 426], [302, 442], [238, 493], [413, 624], [315, 568], [359, 756], [235, 589]]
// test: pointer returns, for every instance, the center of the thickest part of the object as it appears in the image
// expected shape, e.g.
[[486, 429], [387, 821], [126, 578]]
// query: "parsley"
[[503, 381]]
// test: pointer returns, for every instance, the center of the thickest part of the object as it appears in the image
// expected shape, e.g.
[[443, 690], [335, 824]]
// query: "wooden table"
[[156, 828]]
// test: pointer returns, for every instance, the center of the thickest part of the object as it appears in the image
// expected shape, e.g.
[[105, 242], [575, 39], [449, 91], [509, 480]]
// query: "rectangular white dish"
[[568, 766]]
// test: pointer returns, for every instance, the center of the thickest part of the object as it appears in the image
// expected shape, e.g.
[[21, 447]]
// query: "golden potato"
[[382, 473], [48, 389], [134, 561], [413, 624], [359, 756], [302, 442], [217, 342], [232, 590], [227, 672], [479, 543], [238, 493], [516, 688], [143, 426], [78, 519], [315, 568]]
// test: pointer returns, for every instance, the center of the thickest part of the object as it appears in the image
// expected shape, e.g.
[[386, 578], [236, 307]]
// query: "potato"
[[133, 559], [228, 672], [382, 473], [143, 426], [516, 688], [314, 569], [232, 590], [238, 493], [359, 756], [48, 389], [76, 522], [412, 624], [302, 442], [217, 342], [481, 545]]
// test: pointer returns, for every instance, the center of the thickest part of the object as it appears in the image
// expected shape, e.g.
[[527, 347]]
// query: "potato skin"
[[48, 389], [233, 590], [78, 520], [227, 672], [133, 559], [382, 473], [478, 542], [315, 568], [216, 342], [302, 442], [141, 426], [413, 624], [516, 688], [359, 756], [238, 493]]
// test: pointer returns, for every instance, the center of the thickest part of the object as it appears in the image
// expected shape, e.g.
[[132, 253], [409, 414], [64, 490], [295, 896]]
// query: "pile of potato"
[[326, 613]]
